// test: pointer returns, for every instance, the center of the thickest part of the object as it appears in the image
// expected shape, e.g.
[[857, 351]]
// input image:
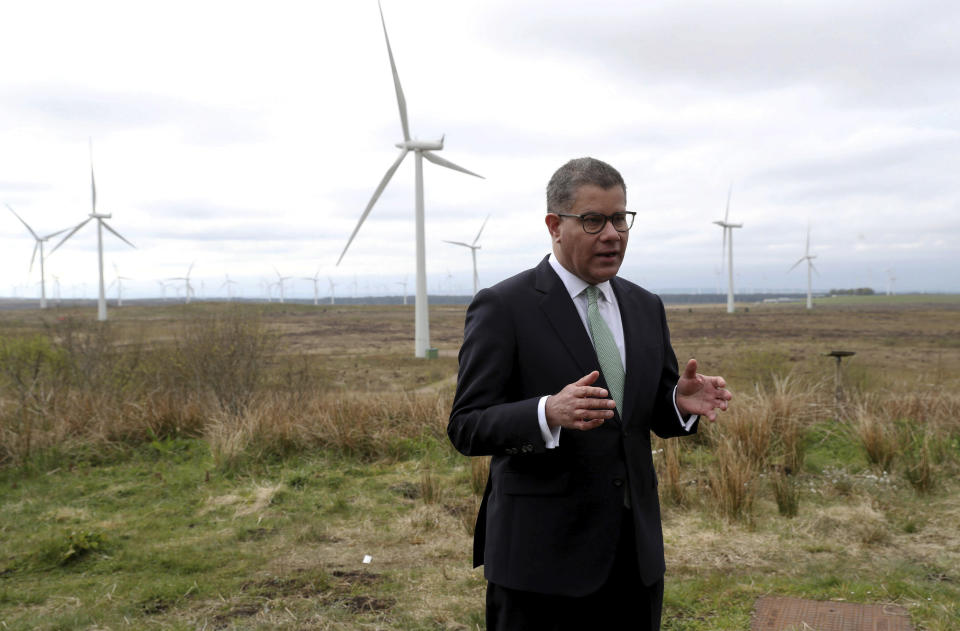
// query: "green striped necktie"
[[606, 347]]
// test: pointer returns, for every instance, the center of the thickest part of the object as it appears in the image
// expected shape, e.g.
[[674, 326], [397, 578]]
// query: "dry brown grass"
[[78, 385], [733, 480]]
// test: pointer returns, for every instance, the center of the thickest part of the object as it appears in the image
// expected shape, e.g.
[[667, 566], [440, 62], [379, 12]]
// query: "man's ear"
[[553, 225]]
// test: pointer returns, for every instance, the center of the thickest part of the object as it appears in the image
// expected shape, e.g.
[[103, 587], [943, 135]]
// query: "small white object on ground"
[[367, 558]]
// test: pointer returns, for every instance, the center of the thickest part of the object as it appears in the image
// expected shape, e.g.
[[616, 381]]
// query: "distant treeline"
[[859, 291]]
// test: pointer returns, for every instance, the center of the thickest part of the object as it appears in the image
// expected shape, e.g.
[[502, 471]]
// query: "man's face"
[[592, 257]]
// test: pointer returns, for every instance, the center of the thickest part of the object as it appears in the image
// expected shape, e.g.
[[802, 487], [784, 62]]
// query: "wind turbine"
[[163, 290], [187, 287], [404, 284], [473, 252], [728, 249], [38, 246], [118, 281], [280, 281], [809, 259], [333, 286], [315, 279], [101, 224], [891, 279], [421, 149], [227, 283]]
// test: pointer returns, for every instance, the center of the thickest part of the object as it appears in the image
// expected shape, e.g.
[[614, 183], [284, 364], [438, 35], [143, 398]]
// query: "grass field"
[[211, 466]]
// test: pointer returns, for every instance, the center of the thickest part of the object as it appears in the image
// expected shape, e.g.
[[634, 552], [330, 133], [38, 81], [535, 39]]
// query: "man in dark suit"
[[564, 371]]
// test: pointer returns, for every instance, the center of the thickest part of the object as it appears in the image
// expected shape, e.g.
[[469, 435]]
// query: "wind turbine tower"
[[728, 249], [810, 267], [118, 281], [101, 224], [473, 252], [229, 285], [187, 287], [421, 149], [315, 279], [280, 281], [38, 246], [333, 286]]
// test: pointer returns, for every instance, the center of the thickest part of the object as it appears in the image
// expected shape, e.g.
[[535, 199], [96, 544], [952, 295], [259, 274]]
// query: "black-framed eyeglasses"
[[595, 222]]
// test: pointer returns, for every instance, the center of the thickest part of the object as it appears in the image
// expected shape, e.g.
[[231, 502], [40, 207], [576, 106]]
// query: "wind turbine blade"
[[53, 234], [726, 215], [373, 200], [401, 102], [814, 268], [36, 246], [795, 264], [71, 233], [466, 245], [117, 234], [807, 251], [23, 222], [432, 157], [481, 230]]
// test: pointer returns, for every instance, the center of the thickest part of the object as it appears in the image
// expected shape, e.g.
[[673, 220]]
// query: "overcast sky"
[[243, 137]]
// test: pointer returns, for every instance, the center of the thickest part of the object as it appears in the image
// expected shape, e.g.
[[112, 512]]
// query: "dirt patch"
[[356, 577], [366, 604]]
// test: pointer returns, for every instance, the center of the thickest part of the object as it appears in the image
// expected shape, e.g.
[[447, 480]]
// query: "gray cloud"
[[860, 52], [99, 111]]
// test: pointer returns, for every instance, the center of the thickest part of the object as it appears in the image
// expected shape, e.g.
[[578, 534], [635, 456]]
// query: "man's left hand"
[[701, 394]]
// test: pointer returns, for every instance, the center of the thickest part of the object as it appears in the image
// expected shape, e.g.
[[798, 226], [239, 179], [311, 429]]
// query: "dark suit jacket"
[[550, 519]]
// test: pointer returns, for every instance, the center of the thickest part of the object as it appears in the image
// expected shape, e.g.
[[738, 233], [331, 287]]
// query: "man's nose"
[[609, 232]]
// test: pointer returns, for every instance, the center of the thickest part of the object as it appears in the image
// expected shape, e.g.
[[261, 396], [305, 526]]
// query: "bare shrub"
[[34, 371], [225, 356]]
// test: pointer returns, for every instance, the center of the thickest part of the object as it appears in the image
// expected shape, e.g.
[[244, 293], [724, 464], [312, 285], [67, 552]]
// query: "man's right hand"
[[580, 405]]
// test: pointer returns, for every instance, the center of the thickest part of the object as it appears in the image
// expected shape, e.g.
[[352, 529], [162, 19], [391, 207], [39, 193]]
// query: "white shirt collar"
[[576, 285]]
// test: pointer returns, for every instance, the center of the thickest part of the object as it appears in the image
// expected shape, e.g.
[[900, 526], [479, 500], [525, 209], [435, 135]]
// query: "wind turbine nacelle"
[[101, 215], [422, 145]]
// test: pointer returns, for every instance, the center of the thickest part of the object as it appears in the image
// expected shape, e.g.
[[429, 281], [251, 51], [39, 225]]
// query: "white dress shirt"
[[610, 312]]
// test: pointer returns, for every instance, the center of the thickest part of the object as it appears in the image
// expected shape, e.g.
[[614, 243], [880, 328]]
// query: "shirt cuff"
[[551, 437], [685, 424]]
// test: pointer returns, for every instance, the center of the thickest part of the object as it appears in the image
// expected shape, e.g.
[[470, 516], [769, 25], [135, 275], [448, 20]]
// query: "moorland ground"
[[223, 466]]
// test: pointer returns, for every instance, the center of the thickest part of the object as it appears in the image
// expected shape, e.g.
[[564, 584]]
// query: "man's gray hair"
[[578, 172]]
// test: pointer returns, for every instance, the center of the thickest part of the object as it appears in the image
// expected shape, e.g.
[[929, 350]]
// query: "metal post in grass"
[[839, 355]]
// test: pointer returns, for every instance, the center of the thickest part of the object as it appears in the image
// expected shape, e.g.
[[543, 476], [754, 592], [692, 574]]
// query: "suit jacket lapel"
[[563, 317], [631, 342]]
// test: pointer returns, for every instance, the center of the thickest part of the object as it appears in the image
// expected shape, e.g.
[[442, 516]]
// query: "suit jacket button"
[[617, 482]]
